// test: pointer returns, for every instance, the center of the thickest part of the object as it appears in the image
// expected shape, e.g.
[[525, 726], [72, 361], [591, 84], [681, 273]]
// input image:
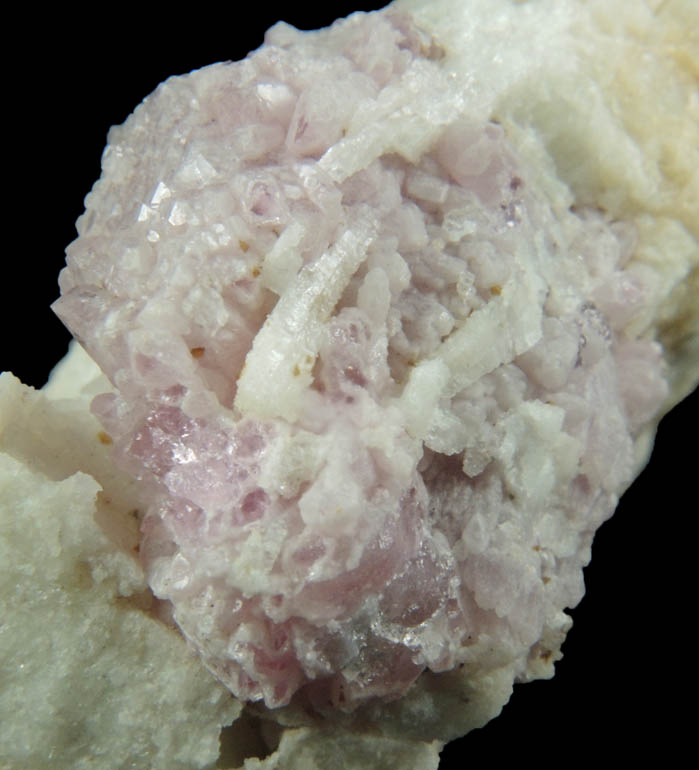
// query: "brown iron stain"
[[104, 438]]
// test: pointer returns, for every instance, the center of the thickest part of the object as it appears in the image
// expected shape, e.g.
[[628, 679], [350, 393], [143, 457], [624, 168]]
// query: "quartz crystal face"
[[379, 390]]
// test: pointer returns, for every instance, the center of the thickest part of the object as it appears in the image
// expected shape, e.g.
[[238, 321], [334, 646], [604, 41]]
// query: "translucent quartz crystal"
[[378, 388]]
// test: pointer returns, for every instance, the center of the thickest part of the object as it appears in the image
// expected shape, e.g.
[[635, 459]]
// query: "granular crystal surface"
[[378, 385]]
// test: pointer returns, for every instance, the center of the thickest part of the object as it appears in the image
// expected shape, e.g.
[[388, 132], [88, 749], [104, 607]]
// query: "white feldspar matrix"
[[386, 337]]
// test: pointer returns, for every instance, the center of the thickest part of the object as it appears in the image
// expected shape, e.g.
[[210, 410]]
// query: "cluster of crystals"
[[377, 415]]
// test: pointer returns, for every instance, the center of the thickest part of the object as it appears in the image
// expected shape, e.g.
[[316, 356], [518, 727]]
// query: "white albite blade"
[[277, 370]]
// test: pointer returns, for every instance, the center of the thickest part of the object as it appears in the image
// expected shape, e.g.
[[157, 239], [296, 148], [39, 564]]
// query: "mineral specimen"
[[380, 386], [387, 338]]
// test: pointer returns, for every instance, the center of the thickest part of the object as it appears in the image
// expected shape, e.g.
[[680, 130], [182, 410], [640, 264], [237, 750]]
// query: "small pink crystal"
[[377, 412]]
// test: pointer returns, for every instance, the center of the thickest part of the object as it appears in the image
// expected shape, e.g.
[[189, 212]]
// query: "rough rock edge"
[[83, 655]]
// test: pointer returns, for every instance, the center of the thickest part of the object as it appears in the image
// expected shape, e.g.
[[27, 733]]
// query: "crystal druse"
[[380, 390], [386, 336]]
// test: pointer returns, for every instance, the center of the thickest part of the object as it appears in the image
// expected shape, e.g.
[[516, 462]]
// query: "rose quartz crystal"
[[379, 392]]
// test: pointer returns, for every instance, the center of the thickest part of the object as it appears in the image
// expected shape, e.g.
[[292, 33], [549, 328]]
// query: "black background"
[[629, 654]]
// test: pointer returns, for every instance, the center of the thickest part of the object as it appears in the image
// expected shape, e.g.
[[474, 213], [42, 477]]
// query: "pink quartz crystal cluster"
[[377, 410]]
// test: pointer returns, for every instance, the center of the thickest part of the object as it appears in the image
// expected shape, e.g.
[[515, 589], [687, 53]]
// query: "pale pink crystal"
[[382, 554]]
